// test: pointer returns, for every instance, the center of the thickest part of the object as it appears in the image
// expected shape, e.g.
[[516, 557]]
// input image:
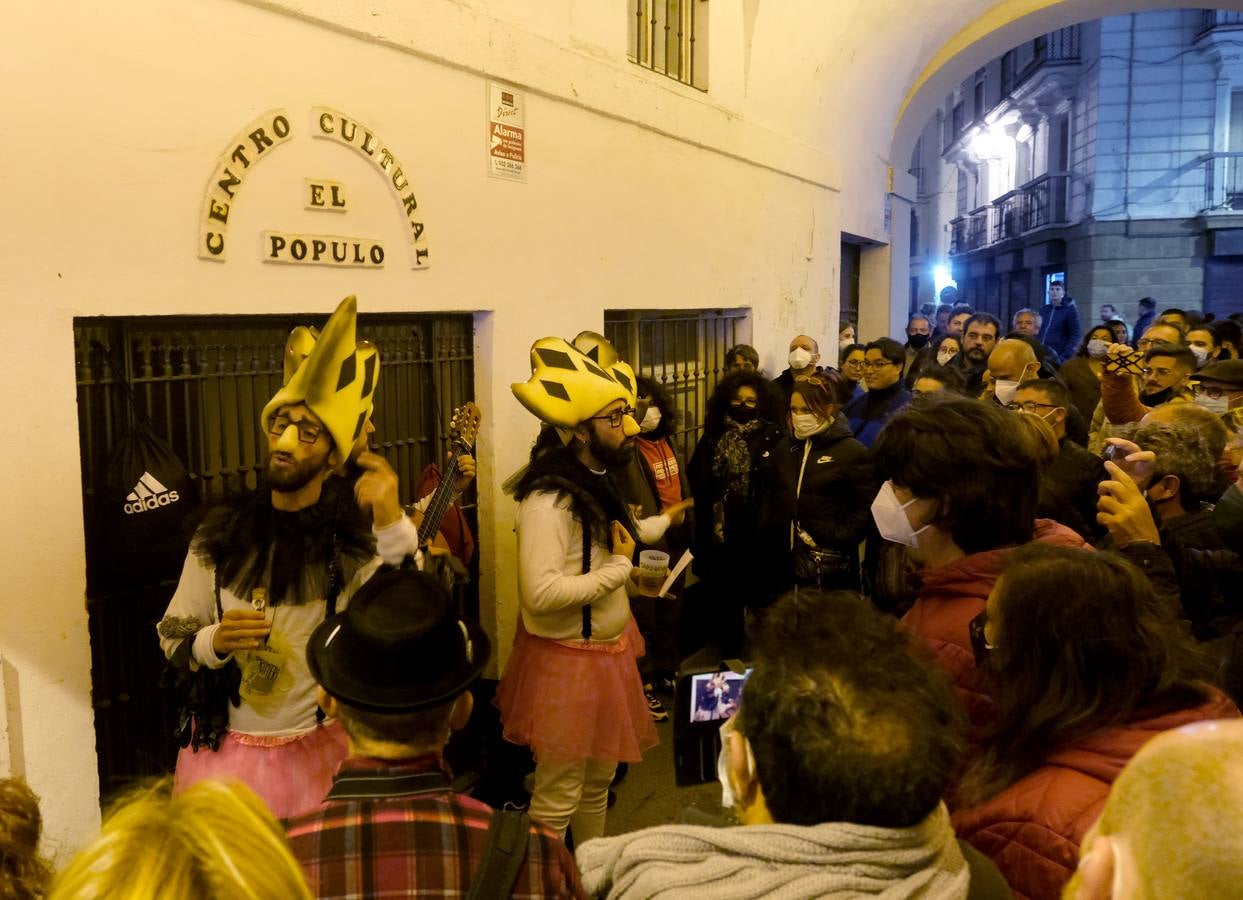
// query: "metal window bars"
[[663, 37]]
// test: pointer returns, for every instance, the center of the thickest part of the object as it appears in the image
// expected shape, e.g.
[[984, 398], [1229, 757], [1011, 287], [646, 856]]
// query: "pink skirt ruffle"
[[568, 701], [292, 775]]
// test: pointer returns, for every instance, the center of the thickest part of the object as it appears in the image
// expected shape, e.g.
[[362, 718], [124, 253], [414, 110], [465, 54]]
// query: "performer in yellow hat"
[[267, 567], [571, 690]]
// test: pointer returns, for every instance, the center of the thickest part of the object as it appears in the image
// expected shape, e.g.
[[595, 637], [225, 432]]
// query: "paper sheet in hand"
[[675, 573]]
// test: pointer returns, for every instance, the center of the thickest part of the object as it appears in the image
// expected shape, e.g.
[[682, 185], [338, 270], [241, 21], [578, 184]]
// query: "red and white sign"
[[506, 133]]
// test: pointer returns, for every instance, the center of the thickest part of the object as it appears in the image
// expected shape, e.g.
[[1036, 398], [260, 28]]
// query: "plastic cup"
[[653, 570]]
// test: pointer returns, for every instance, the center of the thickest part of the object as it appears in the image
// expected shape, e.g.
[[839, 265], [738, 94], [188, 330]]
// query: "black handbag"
[[820, 567]]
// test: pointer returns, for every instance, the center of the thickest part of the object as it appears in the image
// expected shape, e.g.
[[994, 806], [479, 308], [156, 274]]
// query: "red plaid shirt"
[[396, 829]]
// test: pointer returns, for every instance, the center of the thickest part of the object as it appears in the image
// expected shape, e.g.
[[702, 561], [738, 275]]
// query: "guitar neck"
[[442, 497]]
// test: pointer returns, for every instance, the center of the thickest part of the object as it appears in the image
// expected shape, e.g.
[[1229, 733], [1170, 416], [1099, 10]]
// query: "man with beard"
[[979, 336], [918, 333], [265, 568], [571, 690]]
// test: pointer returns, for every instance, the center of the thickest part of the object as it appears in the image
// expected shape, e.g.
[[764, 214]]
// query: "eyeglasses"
[[308, 431], [615, 417], [858, 363], [1029, 406], [750, 403], [878, 363], [1214, 393]]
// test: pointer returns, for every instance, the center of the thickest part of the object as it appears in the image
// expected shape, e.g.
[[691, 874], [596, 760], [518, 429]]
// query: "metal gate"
[[203, 382], [684, 350]]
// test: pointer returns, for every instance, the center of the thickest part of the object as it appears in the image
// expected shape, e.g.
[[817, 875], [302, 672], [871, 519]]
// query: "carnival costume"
[[253, 715], [571, 690]]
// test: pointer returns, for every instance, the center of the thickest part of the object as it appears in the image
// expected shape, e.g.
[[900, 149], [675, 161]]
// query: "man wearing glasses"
[[882, 371], [571, 689], [1069, 484], [265, 568]]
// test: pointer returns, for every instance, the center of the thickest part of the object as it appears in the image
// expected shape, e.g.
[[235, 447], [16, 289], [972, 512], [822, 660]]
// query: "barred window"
[[683, 350], [670, 37]]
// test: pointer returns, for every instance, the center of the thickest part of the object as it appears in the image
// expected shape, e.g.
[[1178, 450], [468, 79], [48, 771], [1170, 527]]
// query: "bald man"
[[804, 355], [1010, 364], [1173, 825]]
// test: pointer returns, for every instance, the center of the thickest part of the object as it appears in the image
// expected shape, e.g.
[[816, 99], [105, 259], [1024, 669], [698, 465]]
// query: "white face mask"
[[1005, 391], [799, 358], [728, 800], [1218, 406], [806, 424], [651, 419], [889, 513], [1201, 355], [944, 356], [1097, 349]]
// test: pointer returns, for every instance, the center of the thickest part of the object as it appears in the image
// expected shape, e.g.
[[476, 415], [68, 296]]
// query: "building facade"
[[1108, 153]]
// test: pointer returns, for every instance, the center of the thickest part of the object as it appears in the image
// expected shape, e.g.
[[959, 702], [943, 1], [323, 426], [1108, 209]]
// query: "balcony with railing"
[[1211, 19], [1057, 48], [1040, 203], [1223, 182]]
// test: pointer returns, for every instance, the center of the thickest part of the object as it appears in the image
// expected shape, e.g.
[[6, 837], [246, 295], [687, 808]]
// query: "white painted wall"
[[641, 193]]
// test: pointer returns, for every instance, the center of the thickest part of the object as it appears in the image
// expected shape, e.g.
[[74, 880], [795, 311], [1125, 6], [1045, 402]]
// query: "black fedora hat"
[[399, 646]]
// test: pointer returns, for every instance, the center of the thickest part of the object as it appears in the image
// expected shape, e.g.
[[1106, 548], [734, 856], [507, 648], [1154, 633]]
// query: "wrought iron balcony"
[[1057, 48], [1219, 18], [1041, 202], [1223, 182]]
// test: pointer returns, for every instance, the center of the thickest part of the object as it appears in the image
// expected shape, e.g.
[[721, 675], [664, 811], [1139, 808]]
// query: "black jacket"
[[638, 487], [745, 539], [1060, 328], [839, 485], [1068, 490]]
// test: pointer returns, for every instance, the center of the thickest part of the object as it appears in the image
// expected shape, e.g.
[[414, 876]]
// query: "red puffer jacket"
[[1032, 830], [953, 595]]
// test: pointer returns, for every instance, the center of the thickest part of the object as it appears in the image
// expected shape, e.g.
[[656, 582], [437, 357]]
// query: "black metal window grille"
[[203, 381], [668, 36], [683, 350]]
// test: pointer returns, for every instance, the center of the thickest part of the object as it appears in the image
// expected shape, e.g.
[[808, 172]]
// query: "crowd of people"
[[974, 576]]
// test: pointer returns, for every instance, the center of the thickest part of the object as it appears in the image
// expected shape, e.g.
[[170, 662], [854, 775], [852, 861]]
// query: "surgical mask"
[[806, 424], [1201, 355], [944, 356], [728, 800], [918, 341], [1218, 406], [1098, 349], [889, 513], [799, 358], [651, 420], [1005, 391]]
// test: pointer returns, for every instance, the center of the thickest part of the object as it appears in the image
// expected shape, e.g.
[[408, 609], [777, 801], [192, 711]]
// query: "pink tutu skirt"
[[570, 701], [292, 775]]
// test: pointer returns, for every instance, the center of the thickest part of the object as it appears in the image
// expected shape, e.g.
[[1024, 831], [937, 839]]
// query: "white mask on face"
[[651, 419], [799, 358], [944, 356], [1201, 355], [806, 424], [1005, 390], [1218, 406], [728, 800], [889, 513], [1098, 349]]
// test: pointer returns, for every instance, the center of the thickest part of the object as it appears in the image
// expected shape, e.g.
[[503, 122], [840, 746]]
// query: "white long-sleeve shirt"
[[290, 708], [551, 584]]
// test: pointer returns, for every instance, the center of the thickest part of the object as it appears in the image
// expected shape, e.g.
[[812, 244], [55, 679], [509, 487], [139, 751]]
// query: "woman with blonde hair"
[[215, 840]]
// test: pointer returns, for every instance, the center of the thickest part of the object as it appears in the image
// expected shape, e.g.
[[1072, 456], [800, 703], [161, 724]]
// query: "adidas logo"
[[147, 494]]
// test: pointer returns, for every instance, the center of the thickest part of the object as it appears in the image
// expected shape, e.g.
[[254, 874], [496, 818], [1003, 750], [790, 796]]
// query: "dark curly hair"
[[770, 402], [23, 873], [655, 391], [848, 719], [973, 459]]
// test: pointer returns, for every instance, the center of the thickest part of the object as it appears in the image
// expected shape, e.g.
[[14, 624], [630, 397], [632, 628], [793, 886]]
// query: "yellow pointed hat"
[[334, 374], [601, 351], [566, 386]]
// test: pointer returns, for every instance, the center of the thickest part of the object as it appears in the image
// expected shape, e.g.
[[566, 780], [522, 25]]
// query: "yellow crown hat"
[[331, 372], [568, 387], [601, 351]]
